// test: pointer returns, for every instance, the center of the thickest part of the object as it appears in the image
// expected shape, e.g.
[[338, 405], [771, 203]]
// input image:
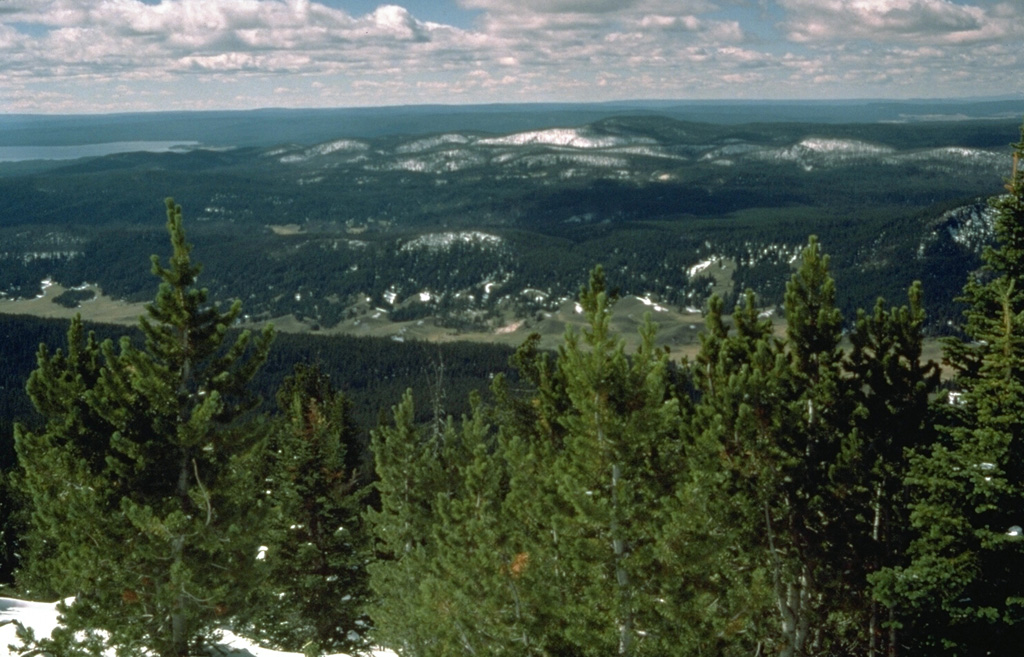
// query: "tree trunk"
[[621, 576], [873, 629], [179, 624]]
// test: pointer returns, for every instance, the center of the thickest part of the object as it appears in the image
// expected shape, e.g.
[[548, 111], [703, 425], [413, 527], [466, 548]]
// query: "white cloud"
[[942, 21], [54, 51]]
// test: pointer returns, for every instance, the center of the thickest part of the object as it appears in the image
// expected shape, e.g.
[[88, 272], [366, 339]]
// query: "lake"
[[26, 153]]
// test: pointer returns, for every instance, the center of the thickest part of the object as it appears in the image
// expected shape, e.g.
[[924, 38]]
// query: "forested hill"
[[475, 229]]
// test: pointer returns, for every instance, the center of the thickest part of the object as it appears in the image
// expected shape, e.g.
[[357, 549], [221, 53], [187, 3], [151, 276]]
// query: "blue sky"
[[71, 56]]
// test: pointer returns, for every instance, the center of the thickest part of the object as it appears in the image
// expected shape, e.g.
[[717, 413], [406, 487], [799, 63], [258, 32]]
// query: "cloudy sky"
[[74, 56]]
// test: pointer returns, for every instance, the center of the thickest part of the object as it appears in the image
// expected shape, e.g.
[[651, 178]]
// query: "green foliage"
[[73, 298], [540, 531], [893, 421], [314, 593], [139, 487], [774, 432], [410, 477], [961, 589]]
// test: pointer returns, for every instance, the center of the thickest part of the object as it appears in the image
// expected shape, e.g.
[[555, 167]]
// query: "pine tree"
[[740, 377], [594, 458], [142, 505], [410, 476], [893, 421], [480, 575], [609, 476], [962, 588], [8, 531], [773, 416], [536, 533], [315, 592]]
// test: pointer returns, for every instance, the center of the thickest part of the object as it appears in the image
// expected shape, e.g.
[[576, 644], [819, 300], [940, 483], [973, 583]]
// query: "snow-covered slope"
[[570, 137]]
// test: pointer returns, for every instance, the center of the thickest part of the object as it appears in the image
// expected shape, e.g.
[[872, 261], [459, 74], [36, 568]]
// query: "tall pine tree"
[[410, 477], [142, 504], [774, 418], [893, 420]]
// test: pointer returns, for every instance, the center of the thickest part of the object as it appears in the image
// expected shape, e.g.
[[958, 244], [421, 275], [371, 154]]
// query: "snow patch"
[[439, 241], [421, 145], [569, 137], [654, 306], [698, 268], [350, 145]]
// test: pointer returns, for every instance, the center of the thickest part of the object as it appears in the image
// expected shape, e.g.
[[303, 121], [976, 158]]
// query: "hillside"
[[464, 231]]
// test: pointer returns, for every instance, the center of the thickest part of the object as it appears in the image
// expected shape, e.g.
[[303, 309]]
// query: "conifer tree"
[[893, 420], [480, 576], [774, 414], [66, 460], [594, 458], [537, 533], [8, 532], [962, 589], [608, 476], [142, 503], [410, 476], [315, 592]]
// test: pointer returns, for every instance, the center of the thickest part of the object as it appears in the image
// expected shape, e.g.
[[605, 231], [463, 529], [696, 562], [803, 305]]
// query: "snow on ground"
[[699, 267], [42, 617], [557, 137]]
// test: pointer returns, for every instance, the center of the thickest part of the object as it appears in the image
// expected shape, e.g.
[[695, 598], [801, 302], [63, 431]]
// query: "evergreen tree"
[[595, 457], [740, 376], [8, 539], [773, 416], [314, 562], [66, 459], [540, 537], [609, 476], [480, 571], [142, 505], [892, 388], [962, 588], [822, 454], [410, 476]]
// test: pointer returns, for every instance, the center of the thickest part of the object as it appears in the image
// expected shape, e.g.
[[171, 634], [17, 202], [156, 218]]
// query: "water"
[[25, 153]]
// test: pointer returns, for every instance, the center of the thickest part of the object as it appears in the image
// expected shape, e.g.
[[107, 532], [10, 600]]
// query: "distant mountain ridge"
[[265, 127]]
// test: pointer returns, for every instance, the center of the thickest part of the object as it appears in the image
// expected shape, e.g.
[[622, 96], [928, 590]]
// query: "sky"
[[101, 56]]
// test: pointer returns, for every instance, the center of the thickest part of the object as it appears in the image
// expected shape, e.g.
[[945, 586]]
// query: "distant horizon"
[[1005, 98]]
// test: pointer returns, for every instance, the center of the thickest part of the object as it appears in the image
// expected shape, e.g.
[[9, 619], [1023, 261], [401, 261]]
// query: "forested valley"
[[818, 490]]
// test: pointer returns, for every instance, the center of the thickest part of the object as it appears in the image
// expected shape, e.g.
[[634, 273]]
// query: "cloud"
[[550, 6], [940, 21], [252, 35], [186, 52]]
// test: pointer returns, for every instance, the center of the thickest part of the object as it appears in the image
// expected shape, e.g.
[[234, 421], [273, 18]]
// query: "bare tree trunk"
[[621, 576], [873, 629], [793, 599]]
